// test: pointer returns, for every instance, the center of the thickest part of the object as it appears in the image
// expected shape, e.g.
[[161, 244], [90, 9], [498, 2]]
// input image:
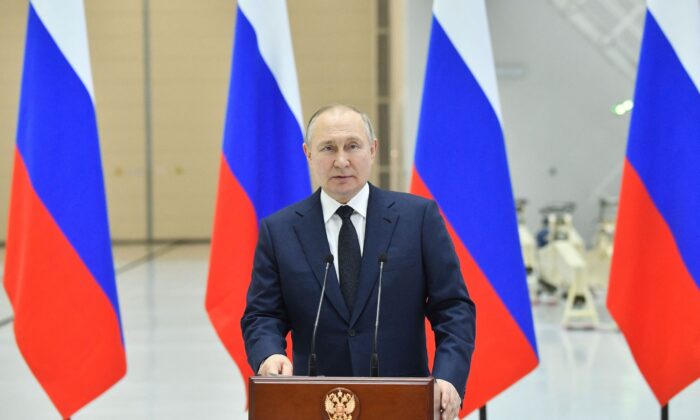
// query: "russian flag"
[[262, 168], [654, 292], [59, 273], [461, 163]]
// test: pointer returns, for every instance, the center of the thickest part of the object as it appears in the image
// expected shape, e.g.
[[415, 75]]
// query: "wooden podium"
[[338, 398]]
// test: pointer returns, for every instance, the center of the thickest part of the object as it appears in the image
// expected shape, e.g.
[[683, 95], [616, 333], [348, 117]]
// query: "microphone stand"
[[313, 371], [374, 360]]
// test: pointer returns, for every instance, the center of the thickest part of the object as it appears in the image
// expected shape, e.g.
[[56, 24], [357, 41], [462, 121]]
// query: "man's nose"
[[342, 160]]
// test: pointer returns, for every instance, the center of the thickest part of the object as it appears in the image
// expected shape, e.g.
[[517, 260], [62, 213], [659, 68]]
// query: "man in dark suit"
[[356, 223]]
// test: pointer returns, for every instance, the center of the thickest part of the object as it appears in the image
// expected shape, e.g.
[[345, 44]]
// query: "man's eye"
[[326, 148], [354, 146]]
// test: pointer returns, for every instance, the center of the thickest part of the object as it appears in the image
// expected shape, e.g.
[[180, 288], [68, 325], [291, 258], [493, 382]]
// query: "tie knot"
[[344, 212]]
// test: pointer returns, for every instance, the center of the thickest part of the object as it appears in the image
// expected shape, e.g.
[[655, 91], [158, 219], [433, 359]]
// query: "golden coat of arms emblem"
[[341, 404]]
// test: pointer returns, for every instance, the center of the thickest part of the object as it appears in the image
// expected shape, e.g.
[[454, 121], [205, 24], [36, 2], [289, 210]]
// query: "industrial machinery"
[[599, 256], [563, 266]]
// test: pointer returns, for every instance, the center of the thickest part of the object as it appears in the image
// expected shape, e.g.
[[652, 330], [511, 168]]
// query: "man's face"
[[340, 154]]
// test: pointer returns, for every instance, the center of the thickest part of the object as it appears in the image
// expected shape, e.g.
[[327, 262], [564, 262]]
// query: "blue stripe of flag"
[[57, 138], [664, 140], [461, 157], [262, 138]]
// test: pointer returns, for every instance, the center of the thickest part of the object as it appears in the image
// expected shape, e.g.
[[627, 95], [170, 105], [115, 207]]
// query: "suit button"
[[351, 332]]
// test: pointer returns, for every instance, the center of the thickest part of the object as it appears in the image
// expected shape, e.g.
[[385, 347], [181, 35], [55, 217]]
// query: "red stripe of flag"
[[652, 297], [232, 248], [60, 316]]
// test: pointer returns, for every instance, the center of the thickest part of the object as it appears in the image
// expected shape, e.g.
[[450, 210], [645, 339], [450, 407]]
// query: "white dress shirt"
[[334, 222]]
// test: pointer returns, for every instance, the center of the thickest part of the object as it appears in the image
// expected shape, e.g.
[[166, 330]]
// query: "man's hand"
[[449, 400], [277, 364]]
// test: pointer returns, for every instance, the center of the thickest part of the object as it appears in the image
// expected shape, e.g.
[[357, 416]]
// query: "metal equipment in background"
[[562, 266], [598, 257]]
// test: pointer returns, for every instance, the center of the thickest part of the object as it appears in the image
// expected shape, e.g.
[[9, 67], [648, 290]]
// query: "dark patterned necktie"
[[349, 256]]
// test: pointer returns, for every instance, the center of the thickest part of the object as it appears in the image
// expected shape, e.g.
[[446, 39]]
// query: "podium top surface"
[[330, 380]]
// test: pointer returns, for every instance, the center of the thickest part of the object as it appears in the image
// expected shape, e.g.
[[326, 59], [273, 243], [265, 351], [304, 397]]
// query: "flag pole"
[[664, 412], [482, 412]]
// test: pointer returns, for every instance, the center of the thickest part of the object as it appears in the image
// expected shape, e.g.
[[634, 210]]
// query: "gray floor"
[[177, 369]]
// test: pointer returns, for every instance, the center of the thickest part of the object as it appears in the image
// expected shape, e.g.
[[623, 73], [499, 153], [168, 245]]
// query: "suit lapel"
[[381, 221], [311, 232]]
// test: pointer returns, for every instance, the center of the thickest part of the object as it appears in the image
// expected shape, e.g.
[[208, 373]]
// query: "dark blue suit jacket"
[[421, 279]]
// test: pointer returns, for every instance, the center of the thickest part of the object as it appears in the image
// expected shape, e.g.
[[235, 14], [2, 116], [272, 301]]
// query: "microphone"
[[374, 360], [312, 355]]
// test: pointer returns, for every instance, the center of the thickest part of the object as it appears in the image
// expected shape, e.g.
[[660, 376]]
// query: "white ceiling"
[[614, 27]]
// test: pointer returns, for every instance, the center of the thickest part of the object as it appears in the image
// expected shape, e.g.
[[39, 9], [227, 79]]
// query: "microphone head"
[[382, 258], [328, 259]]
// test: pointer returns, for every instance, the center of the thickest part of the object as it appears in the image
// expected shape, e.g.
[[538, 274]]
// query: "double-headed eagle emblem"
[[340, 405]]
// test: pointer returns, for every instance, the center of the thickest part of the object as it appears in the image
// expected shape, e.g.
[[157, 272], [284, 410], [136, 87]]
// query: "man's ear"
[[307, 151]]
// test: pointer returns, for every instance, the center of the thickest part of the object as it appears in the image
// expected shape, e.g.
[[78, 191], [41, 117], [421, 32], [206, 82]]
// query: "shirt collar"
[[358, 203]]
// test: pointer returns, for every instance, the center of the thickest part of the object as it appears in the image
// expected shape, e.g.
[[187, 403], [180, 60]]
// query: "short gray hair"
[[369, 130]]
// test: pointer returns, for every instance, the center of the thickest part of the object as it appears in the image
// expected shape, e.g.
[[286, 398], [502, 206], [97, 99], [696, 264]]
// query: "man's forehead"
[[346, 125]]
